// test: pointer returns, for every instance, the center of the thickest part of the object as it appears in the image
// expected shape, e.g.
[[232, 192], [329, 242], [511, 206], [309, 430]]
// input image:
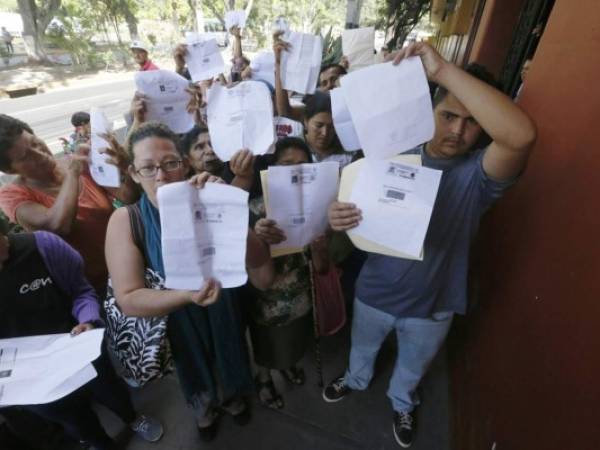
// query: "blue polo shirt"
[[407, 288]]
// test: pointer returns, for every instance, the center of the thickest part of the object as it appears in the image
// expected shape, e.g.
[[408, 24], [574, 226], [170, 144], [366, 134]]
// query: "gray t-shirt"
[[407, 288]]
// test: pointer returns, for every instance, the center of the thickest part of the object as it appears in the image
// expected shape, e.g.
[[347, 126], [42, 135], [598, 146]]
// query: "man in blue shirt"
[[418, 299]]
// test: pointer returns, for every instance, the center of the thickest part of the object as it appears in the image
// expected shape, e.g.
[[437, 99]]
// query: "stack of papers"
[[358, 45], [301, 64], [204, 60], [167, 98], [240, 117], [390, 107], [104, 174], [204, 234], [396, 199], [235, 19], [297, 199], [42, 369]]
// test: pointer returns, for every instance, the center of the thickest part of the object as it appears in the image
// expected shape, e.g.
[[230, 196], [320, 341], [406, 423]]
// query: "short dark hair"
[[341, 68], [80, 118], [190, 138], [11, 129], [478, 71], [291, 142], [316, 103], [152, 129]]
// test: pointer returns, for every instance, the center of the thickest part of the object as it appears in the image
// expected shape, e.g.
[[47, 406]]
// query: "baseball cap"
[[138, 44]]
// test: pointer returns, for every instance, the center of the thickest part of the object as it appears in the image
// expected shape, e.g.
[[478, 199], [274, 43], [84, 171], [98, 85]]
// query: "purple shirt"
[[66, 268]]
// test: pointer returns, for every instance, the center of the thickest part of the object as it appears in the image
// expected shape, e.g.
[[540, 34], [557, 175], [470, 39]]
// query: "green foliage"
[[332, 48], [9, 6], [402, 16]]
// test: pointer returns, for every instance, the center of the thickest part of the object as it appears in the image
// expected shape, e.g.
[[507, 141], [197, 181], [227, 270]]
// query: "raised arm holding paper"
[[417, 299]]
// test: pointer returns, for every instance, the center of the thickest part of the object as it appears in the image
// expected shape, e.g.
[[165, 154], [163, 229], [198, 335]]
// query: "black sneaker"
[[336, 390], [404, 426]]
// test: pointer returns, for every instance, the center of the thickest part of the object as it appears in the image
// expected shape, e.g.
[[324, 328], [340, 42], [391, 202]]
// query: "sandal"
[[240, 416], [274, 399], [294, 375], [209, 432]]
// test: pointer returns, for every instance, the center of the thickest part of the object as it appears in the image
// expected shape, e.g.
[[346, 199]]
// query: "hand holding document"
[[103, 173], [396, 200], [342, 121], [390, 107], [300, 65], [240, 117], [204, 60], [358, 45], [166, 98], [42, 369], [298, 198], [204, 234], [235, 18]]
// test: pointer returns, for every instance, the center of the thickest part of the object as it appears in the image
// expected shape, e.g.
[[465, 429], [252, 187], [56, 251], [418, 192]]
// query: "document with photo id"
[[203, 59], [204, 234], [300, 65], [395, 113], [240, 117], [167, 98], [299, 197], [103, 173], [396, 200]]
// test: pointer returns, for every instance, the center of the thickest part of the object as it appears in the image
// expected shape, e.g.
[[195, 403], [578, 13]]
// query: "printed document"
[[342, 121], [263, 67], [240, 117], [393, 114], [285, 127], [204, 234], [300, 65], [42, 369], [299, 196], [358, 46], [167, 98], [396, 200], [203, 59], [104, 174], [235, 19]]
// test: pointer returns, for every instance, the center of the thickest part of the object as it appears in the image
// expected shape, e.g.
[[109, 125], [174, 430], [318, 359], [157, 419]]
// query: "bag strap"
[[137, 228]]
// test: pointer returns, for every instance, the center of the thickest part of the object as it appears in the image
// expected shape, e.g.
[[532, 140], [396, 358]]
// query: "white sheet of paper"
[[301, 64], [167, 98], [396, 200], [204, 233], [342, 121], [41, 369], [280, 24], [393, 114], [204, 60], [299, 196], [263, 67], [285, 127], [235, 18], [104, 174], [358, 45], [240, 117]]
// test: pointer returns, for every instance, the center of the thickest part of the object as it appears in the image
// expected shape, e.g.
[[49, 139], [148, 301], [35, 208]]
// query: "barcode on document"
[[396, 195], [209, 251]]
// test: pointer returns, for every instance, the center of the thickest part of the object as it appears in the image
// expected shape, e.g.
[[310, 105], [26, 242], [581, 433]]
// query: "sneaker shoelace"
[[405, 420], [339, 385]]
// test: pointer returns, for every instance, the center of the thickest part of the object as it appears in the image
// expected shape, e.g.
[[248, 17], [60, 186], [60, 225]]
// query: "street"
[[50, 114]]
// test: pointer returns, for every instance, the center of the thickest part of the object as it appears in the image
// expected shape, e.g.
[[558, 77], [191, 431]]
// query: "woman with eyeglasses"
[[204, 328], [59, 195]]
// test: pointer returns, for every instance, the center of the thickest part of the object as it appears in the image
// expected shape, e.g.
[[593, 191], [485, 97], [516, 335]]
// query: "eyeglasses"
[[167, 166]]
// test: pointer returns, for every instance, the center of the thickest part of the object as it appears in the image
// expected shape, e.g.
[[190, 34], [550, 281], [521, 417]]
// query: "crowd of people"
[[101, 249]]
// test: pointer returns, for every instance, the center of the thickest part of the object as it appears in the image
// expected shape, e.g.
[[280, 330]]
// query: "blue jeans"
[[418, 342]]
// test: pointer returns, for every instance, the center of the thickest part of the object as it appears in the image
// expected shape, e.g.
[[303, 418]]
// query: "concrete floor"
[[362, 421]]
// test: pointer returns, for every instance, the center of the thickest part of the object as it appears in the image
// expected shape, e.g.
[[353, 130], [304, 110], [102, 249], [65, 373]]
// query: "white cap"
[[138, 44]]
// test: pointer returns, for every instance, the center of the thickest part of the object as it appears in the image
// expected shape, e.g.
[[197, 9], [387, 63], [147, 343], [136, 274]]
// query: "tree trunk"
[[353, 8], [33, 38], [132, 23], [175, 20]]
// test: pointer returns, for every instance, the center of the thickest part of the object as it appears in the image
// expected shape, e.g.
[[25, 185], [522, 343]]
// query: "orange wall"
[[527, 372], [494, 37]]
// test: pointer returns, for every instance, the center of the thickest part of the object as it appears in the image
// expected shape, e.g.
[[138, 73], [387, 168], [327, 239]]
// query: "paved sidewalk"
[[362, 421]]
